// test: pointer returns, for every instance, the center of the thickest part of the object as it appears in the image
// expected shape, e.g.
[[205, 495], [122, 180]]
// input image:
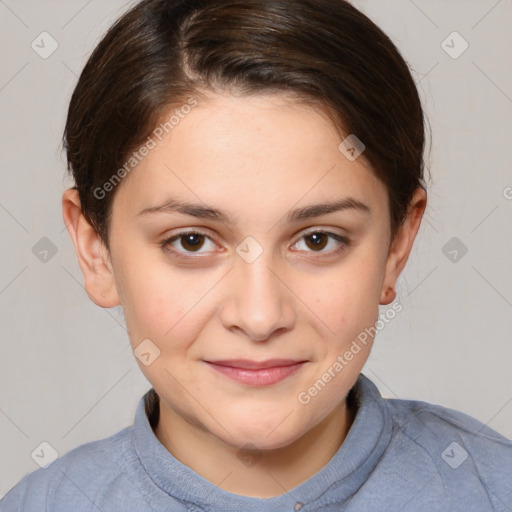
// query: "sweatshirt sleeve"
[[30, 494]]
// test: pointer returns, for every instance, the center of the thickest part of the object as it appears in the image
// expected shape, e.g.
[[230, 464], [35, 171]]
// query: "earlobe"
[[402, 245], [92, 254], [387, 296]]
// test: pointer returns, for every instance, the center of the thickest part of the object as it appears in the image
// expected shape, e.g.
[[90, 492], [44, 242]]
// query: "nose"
[[258, 302]]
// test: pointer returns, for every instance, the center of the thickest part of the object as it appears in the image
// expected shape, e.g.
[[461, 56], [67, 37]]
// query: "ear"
[[402, 245], [93, 256]]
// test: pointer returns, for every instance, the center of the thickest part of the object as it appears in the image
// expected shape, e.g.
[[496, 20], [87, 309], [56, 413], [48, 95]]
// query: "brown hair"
[[163, 52]]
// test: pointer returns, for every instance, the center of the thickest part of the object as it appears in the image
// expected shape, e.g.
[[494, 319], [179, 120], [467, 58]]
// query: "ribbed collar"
[[333, 485]]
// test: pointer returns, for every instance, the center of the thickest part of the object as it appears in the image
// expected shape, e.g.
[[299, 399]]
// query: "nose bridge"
[[259, 303], [254, 263], [259, 279]]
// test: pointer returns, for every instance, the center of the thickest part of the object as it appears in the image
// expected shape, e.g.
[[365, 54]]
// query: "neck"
[[264, 474]]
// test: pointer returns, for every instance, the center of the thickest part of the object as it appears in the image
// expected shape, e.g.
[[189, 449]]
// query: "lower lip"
[[257, 378]]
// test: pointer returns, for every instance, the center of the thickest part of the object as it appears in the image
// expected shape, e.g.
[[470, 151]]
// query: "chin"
[[266, 435]]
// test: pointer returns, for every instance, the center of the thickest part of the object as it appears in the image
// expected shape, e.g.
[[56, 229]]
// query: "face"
[[247, 293]]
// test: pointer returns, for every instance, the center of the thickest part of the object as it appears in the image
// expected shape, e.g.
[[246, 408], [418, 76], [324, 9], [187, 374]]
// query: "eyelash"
[[166, 244]]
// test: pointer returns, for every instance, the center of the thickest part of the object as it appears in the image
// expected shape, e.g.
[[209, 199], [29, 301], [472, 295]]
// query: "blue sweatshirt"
[[399, 455]]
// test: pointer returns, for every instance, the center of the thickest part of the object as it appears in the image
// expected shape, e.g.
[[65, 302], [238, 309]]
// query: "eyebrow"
[[206, 212]]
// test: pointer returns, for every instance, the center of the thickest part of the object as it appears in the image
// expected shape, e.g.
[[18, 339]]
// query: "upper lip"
[[256, 365]]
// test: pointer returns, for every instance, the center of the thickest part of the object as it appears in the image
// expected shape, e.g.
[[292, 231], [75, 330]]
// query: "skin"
[[255, 158]]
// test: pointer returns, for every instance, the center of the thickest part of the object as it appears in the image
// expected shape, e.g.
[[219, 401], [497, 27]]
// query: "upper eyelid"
[[303, 233]]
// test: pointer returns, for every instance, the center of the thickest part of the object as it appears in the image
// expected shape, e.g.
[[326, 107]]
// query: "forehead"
[[249, 154]]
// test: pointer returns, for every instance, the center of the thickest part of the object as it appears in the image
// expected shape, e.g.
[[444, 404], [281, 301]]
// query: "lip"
[[257, 373]]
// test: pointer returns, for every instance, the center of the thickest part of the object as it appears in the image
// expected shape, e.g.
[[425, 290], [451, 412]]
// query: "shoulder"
[[434, 423], [466, 457], [79, 474]]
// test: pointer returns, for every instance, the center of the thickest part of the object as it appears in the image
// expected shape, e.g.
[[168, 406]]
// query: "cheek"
[[348, 301], [156, 304]]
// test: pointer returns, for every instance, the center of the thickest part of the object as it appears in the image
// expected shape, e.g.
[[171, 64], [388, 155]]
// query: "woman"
[[249, 185]]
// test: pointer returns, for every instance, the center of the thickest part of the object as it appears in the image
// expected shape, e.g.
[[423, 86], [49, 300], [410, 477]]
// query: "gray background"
[[67, 373]]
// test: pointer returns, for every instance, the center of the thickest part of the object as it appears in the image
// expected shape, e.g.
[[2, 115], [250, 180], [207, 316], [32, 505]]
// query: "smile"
[[256, 374]]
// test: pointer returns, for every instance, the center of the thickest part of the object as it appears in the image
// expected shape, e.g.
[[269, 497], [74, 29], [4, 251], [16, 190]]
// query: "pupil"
[[193, 241], [318, 240]]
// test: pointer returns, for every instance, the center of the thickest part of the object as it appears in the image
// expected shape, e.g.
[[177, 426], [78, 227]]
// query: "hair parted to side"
[[161, 53]]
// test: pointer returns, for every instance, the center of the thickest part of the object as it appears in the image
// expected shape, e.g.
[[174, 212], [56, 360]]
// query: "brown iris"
[[319, 240], [192, 241]]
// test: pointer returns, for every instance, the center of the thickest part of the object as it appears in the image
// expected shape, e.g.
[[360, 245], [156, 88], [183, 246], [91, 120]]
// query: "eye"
[[190, 241], [193, 241], [318, 240]]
